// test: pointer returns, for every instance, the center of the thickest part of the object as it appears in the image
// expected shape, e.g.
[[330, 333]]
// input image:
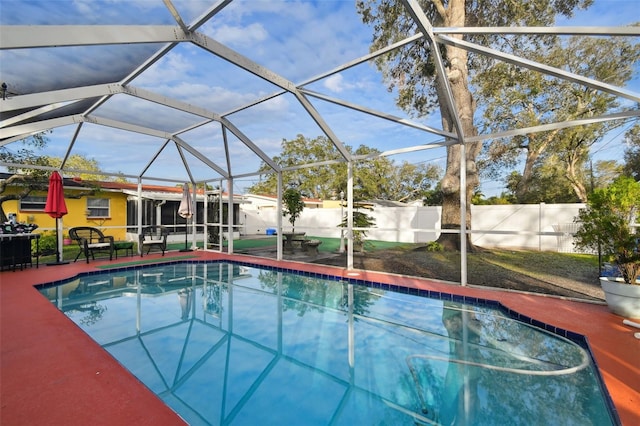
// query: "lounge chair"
[[91, 240], [153, 237]]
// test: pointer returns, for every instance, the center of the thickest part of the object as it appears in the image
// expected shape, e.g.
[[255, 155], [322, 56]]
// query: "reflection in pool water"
[[224, 343]]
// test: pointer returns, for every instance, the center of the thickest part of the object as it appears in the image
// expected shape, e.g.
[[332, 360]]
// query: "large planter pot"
[[623, 299]]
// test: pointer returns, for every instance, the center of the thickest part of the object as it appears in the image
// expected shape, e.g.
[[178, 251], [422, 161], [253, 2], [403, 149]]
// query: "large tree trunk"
[[458, 77], [536, 146], [571, 173]]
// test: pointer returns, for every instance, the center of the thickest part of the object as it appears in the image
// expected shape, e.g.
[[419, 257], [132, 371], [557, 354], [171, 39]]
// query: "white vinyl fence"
[[546, 227]]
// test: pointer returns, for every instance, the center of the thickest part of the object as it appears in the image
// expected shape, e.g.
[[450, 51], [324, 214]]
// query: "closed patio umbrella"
[[56, 208], [185, 210]]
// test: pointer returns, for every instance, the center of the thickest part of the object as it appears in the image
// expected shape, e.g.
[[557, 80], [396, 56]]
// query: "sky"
[[294, 39]]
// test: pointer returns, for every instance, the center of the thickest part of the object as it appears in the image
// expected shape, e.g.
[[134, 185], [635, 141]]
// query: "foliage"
[[411, 71], [26, 154], [360, 220], [504, 198], [548, 184], [317, 182], [293, 205], [28, 179], [35, 179], [433, 197], [374, 178], [516, 97], [89, 166], [603, 173], [47, 243], [632, 153], [434, 246], [545, 186], [605, 225]]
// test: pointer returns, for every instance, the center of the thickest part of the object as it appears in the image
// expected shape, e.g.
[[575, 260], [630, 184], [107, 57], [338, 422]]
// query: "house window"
[[33, 204], [97, 207]]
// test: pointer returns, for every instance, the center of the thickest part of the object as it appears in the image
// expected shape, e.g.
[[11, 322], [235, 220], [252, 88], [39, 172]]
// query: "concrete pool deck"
[[51, 372]]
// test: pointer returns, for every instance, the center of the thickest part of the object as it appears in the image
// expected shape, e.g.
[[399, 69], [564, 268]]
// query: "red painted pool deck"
[[53, 373]]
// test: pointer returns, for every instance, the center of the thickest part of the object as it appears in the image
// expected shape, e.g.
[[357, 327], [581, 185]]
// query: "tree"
[[293, 205], [316, 182], [34, 179], [374, 178], [603, 173], [433, 197], [479, 199], [360, 220], [548, 182], [380, 178], [29, 179], [89, 166], [522, 98], [632, 152], [411, 70], [547, 185]]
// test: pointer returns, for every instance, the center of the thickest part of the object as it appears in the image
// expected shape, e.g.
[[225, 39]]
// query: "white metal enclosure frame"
[[59, 105]]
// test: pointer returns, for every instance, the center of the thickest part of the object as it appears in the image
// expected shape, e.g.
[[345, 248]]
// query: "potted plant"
[[607, 226]]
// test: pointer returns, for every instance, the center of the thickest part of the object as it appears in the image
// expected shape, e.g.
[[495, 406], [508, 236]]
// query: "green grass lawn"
[[328, 245]]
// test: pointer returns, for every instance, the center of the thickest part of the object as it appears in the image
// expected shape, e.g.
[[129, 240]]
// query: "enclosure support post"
[[540, 219], [139, 201], [279, 217], [350, 214], [194, 219], [230, 216], [463, 214]]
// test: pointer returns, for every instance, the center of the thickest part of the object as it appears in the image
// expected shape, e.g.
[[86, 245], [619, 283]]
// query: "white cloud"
[[172, 67], [335, 83], [240, 36]]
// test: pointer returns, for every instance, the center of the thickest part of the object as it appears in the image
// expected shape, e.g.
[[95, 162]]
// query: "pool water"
[[233, 344]]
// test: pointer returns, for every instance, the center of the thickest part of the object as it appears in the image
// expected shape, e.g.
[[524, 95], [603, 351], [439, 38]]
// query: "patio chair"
[[91, 240], [153, 237]]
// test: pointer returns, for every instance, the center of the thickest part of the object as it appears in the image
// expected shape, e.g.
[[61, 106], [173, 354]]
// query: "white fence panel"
[[525, 226]]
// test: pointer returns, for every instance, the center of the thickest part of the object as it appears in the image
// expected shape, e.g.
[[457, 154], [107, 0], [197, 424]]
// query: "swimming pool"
[[230, 343]]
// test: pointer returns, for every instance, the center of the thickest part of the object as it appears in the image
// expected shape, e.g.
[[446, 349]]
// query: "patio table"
[[127, 246]]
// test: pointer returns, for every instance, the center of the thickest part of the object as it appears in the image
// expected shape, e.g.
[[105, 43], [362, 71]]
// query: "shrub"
[[360, 220], [47, 243], [434, 246], [606, 225]]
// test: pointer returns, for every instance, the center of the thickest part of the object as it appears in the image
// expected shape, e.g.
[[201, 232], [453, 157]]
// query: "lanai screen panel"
[[219, 84]]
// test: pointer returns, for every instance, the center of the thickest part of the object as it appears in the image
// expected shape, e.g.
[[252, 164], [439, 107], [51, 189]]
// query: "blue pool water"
[[232, 344]]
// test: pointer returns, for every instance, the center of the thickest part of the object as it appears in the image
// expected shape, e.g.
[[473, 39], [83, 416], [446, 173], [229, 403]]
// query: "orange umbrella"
[[55, 206]]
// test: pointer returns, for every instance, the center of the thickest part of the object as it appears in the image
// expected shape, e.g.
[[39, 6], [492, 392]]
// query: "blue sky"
[[296, 39]]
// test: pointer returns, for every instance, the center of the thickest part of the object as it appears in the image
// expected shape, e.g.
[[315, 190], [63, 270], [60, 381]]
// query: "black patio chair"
[[91, 240], [153, 237]]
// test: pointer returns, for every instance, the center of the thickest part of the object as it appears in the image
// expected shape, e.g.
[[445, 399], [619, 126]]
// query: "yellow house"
[[98, 207], [111, 207]]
